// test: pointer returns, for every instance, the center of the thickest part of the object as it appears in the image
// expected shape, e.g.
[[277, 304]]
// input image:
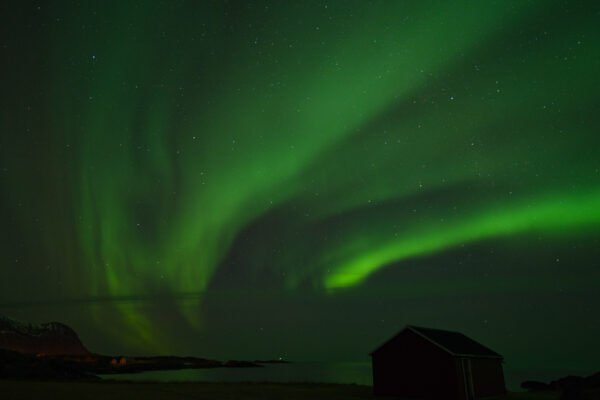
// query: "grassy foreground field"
[[110, 390]]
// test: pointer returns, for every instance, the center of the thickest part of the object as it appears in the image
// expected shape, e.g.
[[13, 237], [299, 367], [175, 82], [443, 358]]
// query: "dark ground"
[[26, 390]]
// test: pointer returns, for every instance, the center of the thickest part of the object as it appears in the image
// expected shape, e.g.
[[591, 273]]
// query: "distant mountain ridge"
[[51, 338]]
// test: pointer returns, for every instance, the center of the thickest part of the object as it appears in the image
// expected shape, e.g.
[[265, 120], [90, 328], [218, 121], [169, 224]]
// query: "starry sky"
[[256, 179]]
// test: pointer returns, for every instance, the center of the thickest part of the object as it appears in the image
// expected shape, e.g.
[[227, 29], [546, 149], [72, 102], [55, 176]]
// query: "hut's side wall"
[[411, 366], [488, 377]]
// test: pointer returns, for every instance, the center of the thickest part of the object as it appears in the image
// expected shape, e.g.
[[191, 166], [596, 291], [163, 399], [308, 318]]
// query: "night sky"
[[261, 179]]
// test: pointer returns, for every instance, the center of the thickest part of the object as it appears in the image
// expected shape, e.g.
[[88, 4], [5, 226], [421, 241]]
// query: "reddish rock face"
[[52, 338]]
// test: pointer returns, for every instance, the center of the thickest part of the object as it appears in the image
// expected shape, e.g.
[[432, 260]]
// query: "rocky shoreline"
[[17, 365]]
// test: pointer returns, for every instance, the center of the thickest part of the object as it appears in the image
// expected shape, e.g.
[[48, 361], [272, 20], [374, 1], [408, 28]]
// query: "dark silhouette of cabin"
[[424, 363]]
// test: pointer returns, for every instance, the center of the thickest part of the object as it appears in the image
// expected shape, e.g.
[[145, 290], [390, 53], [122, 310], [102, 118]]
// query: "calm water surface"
[[348, 372], [323, 372]]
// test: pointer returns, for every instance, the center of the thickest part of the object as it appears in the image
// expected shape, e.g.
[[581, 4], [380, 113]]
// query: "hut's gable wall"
[[413, 366]]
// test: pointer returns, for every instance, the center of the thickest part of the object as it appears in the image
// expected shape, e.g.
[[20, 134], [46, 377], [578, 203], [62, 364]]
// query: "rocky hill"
[[52, 338]]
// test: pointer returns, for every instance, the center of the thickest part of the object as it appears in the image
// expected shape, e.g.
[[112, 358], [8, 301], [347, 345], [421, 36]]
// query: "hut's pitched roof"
[[454, 343]]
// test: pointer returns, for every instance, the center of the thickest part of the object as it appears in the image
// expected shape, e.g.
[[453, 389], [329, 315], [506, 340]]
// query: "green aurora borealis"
[[265, 178]]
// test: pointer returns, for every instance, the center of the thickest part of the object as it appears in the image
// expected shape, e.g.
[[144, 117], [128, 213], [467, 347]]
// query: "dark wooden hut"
[[424, 363]]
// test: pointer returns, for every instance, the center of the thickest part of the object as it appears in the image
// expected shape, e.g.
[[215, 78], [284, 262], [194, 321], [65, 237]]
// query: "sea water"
[[319, 372], [347, 372]]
